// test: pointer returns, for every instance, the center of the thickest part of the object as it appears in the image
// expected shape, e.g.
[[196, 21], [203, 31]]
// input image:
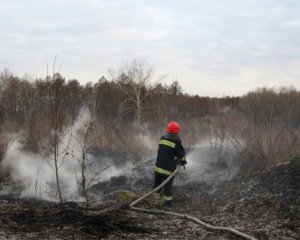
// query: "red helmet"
[[173, 127]]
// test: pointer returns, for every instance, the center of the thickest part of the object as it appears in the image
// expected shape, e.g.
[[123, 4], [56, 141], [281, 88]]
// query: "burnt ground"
[[265, 206]]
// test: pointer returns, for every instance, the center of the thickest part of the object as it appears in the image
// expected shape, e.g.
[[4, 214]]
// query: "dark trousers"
[[167, 189]]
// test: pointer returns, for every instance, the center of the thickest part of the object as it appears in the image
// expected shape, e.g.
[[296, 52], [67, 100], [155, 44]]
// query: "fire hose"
[[185, 216]]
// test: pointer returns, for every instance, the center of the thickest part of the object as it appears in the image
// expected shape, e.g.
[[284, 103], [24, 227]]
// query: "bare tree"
[[134, 77], [56, 103], [82, 157], [57, 107], [85, 137]]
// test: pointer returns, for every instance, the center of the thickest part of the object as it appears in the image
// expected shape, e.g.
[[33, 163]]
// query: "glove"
[[182, 162]]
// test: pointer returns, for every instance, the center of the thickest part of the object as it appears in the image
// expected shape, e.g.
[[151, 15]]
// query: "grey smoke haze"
[[210, 164], [35, 172]]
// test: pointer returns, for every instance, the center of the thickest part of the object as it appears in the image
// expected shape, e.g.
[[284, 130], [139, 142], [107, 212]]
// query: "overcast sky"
[[211, 47]]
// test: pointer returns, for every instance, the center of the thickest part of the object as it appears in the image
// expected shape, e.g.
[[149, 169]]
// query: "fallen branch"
[[104, 211]]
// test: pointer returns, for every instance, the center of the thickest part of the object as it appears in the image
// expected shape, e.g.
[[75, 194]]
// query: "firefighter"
[[170, 153]]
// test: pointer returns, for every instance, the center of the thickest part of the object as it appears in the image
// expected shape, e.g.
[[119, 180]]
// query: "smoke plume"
[[34, 172], [210, 164]]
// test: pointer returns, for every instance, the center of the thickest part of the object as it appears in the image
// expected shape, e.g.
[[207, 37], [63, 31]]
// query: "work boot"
[[168, 204]]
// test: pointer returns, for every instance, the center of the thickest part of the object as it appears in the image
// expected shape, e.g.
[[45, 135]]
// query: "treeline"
[[262, 127], [31, 106]]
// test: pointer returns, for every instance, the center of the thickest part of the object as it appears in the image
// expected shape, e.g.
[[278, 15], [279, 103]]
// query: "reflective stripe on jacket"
[[169, 151]]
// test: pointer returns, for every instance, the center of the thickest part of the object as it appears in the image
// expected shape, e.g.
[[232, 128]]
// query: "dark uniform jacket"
[[169, 152]]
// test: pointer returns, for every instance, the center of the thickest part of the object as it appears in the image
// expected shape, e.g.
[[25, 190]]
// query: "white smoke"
[[28, 170], [210, 164], [207, 163], [35, 172]]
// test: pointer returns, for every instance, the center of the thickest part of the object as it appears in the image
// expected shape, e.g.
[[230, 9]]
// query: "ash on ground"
[[265, 206]]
